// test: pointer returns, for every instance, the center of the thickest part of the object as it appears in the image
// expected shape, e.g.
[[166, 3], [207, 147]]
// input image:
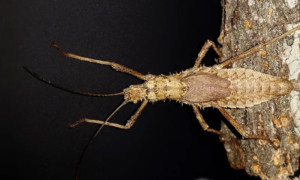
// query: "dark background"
[[150, 36]]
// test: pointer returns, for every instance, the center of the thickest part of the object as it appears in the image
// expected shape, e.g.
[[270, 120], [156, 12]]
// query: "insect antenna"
[[37, 76], [93, 137]]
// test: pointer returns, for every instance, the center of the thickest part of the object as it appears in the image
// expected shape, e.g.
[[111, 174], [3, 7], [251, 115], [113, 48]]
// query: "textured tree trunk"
[[245, 24]]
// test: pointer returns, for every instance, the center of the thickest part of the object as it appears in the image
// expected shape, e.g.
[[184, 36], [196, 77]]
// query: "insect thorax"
[[156, 88]]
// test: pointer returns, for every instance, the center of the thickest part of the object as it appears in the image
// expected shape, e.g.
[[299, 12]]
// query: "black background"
[[150, 36]]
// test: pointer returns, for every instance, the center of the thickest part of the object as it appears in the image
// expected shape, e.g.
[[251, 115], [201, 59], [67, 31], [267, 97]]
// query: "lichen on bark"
[[246, 23]]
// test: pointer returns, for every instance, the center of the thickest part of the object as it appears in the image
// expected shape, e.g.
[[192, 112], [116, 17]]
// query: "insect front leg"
[[202, 122], [115, 66], [204, 50], [128, 124]]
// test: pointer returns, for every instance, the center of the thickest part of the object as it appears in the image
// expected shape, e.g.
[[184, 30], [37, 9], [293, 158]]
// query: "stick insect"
[[199, 87]]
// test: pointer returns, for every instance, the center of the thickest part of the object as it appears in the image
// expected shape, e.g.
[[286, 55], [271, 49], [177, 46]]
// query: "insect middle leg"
[[128, 124], [115, 66], [204, 50], [202, 122]]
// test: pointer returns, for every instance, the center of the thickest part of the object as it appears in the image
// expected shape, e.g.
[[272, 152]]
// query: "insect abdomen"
[[250, 87]]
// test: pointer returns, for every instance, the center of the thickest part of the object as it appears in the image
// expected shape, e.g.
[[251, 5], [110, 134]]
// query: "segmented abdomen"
[[250, 87]]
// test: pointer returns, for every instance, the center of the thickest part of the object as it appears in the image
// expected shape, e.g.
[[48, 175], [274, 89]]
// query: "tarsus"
[[92, 139]]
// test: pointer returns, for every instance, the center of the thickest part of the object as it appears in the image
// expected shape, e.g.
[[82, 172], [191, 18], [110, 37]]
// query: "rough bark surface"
[[245, 24]]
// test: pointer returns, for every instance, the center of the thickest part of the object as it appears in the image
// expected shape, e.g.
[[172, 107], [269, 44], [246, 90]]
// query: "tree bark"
[[246, 23]]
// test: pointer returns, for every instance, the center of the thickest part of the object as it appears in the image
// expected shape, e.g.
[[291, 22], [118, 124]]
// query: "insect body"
[[210, 87], [199, 87]]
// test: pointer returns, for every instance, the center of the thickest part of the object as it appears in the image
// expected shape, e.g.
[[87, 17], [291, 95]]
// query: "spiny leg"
[[128, 124], [114, 65], [93, 137], [202, 122], [240, 128], [204, 50], [257, 48], [116, 125]]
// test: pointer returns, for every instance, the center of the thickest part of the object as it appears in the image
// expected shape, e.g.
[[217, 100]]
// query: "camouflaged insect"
[[198, 86]]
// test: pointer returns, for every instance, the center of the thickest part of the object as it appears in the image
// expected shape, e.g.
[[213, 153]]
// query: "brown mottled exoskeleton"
[[199, 87]]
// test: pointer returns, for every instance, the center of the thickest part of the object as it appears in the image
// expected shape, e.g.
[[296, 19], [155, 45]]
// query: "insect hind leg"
[[240, 128], [257, 48]]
